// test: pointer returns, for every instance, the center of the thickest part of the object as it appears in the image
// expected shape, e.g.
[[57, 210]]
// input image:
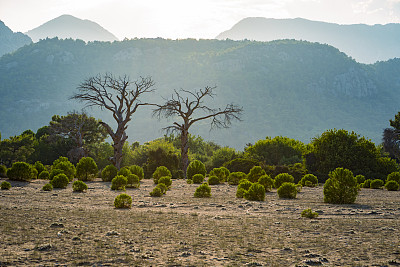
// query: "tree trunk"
[[119, 139], [184, 150]]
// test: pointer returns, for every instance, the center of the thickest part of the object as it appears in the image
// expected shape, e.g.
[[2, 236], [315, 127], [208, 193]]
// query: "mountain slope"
[[67, 26], [365, 43], [11, 41], [290, 88]]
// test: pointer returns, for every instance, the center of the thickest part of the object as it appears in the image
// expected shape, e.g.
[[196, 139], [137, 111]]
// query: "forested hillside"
[[11, 41], [291, 88]]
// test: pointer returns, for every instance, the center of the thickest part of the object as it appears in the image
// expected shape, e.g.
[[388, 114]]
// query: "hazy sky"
[[191, 18]]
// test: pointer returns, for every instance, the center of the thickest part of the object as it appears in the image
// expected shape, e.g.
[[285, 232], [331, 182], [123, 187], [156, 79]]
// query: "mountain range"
[[292, 88], [11, 41], [364, 43]]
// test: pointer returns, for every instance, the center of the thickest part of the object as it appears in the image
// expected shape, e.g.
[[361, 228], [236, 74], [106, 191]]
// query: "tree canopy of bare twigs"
[[192, 107], [118, 95]]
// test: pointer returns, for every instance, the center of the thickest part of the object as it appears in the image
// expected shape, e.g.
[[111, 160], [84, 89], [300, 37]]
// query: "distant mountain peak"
[[11, 41], [68, 26]]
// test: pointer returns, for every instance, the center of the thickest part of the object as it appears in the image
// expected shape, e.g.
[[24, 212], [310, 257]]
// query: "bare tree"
[[187, 105], [120, 96]]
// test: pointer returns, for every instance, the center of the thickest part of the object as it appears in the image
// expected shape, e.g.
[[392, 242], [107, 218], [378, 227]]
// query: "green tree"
[[17, 148], [86, 169]]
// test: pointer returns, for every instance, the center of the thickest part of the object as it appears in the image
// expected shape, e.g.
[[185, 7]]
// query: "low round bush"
[[39, 167], [392, 185], [5, 185], [108, 173], [125, 171], [165, 180], [163, 187], [255, 173], [221, 173], [133, 181], [245, 184], [86, 169], [3, 171], [309, 180], [308, 213], [79, 186], [256, 192], [367, 183], [235, 177], [213, 180], [240, 192], [394, 176], [376, 184], [119, 182], [20, 171], [195, 167], [47, 187], [283, 178], [68, 169], [266, 181], [55, 172], [44, 175], [135, 169], [202, 191], [161, 171], [157, 192], [341, 187], [287, 190], [360, 179], [189, 181], [123, 201], [198, 178], [60, 181]]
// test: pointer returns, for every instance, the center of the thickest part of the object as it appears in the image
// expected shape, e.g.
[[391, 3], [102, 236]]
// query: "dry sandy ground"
[[63, 228]]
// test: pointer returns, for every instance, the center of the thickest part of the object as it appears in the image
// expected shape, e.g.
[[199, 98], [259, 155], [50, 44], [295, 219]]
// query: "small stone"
[[57, 225], [186, 254], [111, 233], [44, 247], [287, 249], [76, 238]]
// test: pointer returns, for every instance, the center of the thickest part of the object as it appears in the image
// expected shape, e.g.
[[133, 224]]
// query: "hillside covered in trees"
[[289, 88]]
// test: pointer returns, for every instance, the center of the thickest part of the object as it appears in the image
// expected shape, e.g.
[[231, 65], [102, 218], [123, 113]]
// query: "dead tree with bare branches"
[[120, 96], [190, 108]]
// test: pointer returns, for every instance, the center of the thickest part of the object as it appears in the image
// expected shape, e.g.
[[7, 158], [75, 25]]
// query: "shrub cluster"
[[133, 181], [137, 170], [166, 180], [341, 187], [360, 179], [47, 187], [157, 192], [267, 182], [119, 182], [222, 173], [195, 167], [86, 169], [60, 181], [392, 185], [198, 178], [283, 178], [123, 201], [161, 171], [108, 173], [79, 186], [44, 175], [376, 184], [308, 213], [3, 171], [125, 171], [309, 180], [21, 171], [287, 190], [213, 180], [62, 163], [394, 176], [235, 177], [255, 173], [5, 185], [256, 192], [203, 190]]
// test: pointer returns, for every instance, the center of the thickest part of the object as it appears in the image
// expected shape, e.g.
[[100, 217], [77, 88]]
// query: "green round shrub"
[[135, 169], [308, 213], [189, 181], [309, 180], [55, 172], [79, 186], [283, 178], [60, 181], [123, 201], [166, 180], [67, 167], [255, 173], [20, 171], [44, 175], [376, 184], [157, 192], [287, 190], [39, 167], [198, 178], [245, 184], [266, 181], [108, 173], [235, 177], [256, 192], [34, 172], [119, 182], [3, 171], [133, 181], [367, 183], [195, 167], [221, 173], [392, 185], [125, 171], [161, 171], [86, 169], [360, 179], [163, 187], [203, 190], [341, 187], [47, 187], [213, 180], [394, 176], [240, 192], [5, 185]]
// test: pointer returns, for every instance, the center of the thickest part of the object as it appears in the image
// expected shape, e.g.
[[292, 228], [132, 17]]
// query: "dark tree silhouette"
[[120, 96], [391, 142], [190, 107]]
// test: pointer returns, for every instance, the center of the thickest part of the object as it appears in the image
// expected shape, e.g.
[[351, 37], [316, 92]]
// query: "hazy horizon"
[[191, 19]]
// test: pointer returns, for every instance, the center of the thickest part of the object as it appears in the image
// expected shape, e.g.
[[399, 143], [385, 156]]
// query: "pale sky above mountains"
[[191, 18]]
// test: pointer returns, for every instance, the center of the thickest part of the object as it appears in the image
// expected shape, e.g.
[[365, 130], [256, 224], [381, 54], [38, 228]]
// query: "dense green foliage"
[[240, 165], [360, 179], [376, 184], [163, 187], [20, 171], [267, 182], [47, 187], [156, 192], [202, 191], [195, 167], [5, 185], [119, 182], [137, 170], [123, 201], [309, 180], [3, 171], [308, 213], [79, 186], [394, 176], [86, 169], [235, 177], [108, 173], [166, 180], [62, 163], [60, 181], [213, 180], [341, 187], [222, 173], [366, 184], [255, 173], [133, 181], [198, 178], [282, 178], [44, 175], [287, 190], [392, 185], [125, 171], [161, 171], [256, 192]]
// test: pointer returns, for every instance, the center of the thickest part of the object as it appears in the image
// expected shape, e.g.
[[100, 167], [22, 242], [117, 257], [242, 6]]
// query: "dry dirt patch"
[[66, 228]]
